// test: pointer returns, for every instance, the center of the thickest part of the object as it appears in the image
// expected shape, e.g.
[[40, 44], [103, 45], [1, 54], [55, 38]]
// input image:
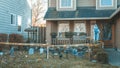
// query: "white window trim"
[[73, 8], [66, 7], [106, 5], [15, 19]]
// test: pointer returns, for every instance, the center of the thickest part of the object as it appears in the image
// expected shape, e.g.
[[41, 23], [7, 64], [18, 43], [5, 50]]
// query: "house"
[[81, 16], [15, 16]]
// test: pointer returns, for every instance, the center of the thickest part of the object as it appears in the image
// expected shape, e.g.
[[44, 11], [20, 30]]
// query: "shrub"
[[102, 57], [3, 37], [15, 38]]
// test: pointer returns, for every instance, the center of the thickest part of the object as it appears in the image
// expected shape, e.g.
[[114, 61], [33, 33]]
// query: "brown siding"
[[52, 3], [86, 3], [71, 26], [88, 27], [48, 31], [54, 26], [117, 38]]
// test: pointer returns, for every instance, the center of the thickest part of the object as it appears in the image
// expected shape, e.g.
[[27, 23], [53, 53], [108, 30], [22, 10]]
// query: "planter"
[[53, 35], [69, 34]]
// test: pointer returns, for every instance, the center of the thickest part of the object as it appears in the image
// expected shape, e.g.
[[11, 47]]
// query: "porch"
[[78, 27]]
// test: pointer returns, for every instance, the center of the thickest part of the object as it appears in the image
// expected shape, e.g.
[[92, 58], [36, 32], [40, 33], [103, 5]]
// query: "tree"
[[37, 11]]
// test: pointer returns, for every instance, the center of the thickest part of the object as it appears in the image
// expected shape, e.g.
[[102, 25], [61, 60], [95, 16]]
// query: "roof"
[[81, 12]]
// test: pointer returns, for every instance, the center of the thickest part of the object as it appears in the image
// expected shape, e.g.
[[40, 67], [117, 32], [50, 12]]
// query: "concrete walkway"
[[114, 57]]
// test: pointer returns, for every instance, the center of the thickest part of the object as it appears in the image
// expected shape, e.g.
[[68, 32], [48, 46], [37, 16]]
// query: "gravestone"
[[1, 53], [74, 51], [12, 51], [41, 50], [31, 51]]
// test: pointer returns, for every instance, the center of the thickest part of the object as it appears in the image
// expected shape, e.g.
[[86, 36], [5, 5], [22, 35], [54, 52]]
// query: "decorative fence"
[[62, 41]]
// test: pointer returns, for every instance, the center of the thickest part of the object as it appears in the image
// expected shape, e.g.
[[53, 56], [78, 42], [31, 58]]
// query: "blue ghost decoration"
[[12, 51], [41, 50], [96, 32], [31, 51]]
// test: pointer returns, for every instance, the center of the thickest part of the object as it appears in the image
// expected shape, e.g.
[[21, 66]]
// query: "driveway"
[[114, 57]]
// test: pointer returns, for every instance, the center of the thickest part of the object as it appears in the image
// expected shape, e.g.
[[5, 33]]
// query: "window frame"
[[63, 22], [60, 4], [18, 24], [11, 19], [80, 22], [106, 5]]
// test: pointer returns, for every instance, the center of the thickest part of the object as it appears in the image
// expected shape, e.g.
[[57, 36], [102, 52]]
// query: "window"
[[79, 28], [62, 28], [19, 21], [106, 3], [13, 19], [66, 3]]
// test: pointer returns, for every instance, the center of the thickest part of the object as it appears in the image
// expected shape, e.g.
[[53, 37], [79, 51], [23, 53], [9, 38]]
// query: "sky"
[[45, 7]]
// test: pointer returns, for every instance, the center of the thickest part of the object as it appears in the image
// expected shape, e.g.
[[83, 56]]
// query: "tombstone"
[[41, 50], [1, 53], [12, 51], [31, 51], [74, 51], [60, 53]]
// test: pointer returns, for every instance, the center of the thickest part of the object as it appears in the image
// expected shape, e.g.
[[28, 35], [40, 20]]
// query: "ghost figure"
[[41, 50], [31, 51], [96, 32], [12, 51]]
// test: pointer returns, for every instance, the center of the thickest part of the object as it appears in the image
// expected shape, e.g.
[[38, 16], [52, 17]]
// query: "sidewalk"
[[114, 57]]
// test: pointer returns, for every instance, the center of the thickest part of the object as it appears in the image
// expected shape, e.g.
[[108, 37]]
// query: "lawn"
[[23, 60]]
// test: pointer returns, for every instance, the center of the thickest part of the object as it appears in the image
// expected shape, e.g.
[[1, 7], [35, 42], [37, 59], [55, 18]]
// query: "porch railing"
[[63, 41]]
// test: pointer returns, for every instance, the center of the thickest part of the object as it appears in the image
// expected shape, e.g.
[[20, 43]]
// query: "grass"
[[23, 60]]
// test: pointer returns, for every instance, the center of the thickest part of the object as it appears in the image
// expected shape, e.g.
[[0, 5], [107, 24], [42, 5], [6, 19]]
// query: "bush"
[[15, 38], [102, 57], [3, 37]]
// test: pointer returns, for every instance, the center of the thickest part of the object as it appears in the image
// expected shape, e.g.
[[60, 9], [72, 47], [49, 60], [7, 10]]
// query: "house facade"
[[15, 16], [81, 15]]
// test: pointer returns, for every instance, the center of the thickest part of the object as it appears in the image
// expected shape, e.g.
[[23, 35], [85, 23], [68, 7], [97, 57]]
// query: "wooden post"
[[47, 52]]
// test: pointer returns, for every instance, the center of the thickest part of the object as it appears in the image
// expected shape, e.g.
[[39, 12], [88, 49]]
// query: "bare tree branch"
[[37, 11]]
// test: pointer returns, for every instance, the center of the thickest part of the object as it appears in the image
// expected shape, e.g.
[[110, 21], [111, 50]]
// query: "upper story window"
[[106, 3], [66, 3]]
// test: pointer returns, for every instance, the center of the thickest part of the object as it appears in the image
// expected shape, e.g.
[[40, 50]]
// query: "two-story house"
[[81, 16], [15, 16]]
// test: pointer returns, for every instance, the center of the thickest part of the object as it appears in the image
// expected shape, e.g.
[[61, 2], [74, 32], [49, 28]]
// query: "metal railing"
[[62, 41]]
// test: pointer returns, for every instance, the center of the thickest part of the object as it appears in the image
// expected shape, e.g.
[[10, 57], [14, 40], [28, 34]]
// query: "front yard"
[[21, 59]]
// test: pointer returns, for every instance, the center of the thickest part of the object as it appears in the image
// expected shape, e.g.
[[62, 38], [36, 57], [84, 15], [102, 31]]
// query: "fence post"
[[47, 52]]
